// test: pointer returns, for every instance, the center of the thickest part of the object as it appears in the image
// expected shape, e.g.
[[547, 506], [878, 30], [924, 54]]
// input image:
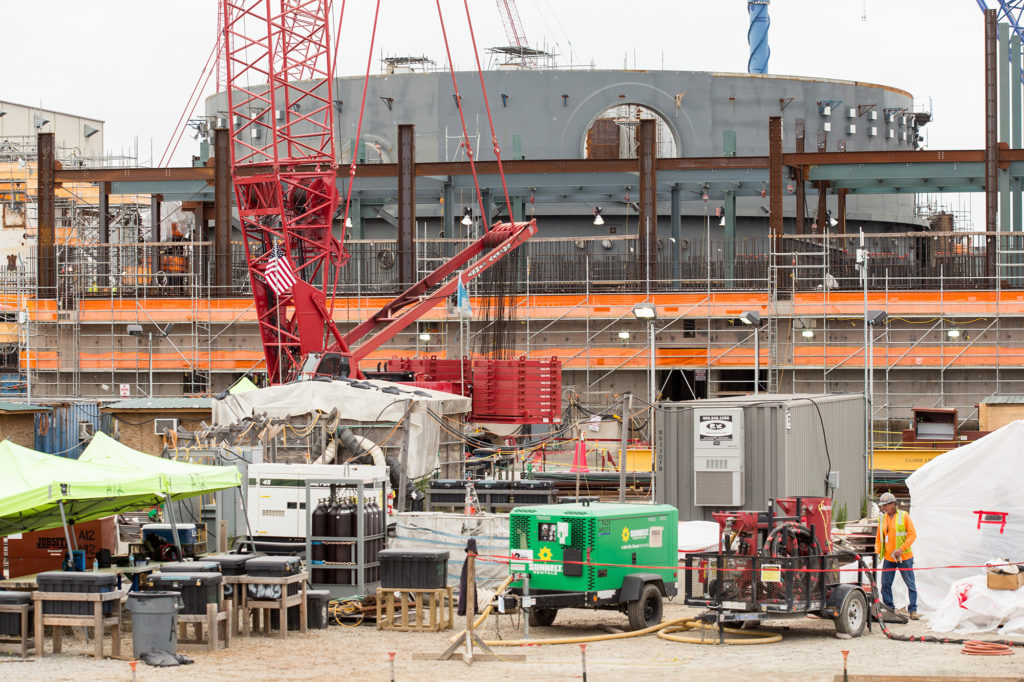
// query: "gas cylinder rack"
[[345, 535]]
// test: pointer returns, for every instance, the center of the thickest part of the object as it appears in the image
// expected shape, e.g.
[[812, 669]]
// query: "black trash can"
[[154, 621], [10, 623], [406, 569], [317, 616], [196, 589]]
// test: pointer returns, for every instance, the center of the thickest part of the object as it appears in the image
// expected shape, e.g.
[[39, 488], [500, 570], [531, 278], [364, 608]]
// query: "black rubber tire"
[[542, 618], [853, 614], [645, 611]]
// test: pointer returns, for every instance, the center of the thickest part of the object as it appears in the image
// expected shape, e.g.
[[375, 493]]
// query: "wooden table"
[[95, 620], [248, 606]]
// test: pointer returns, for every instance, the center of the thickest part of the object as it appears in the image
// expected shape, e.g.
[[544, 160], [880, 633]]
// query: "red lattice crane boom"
[[279, 82], [513, 24]]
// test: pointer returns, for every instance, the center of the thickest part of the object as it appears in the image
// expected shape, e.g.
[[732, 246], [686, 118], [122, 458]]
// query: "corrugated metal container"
[[789, 444], [58, 433]]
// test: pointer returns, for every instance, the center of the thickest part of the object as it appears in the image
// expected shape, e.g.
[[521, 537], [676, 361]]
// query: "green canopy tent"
[[178, 479], [40, 491]]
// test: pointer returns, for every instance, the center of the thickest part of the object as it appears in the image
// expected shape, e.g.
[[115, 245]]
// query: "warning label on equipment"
[[656, 536], [715, 427]]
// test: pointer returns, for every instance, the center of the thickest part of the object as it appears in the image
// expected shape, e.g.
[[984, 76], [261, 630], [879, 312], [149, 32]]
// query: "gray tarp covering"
[[357, 404], [440, 532]]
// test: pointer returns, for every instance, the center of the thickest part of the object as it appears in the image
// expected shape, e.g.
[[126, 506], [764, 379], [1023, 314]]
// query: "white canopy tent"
[[967, 507], [364, 401]]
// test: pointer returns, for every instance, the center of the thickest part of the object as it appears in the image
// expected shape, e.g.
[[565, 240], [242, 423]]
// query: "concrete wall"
[[69, 130], [19, 428], [136, 426]]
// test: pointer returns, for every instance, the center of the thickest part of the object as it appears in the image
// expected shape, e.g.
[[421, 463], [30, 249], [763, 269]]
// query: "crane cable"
[[490, 121], [462, 118]]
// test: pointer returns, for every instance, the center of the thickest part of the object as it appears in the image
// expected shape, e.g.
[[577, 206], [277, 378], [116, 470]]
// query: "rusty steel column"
[[46, 253], [407, 204], [821, 216], [841, 210], [103, 221], [155, 218], [991, 143], [775, 179], [647, 154], [801, 195], [222, 213]]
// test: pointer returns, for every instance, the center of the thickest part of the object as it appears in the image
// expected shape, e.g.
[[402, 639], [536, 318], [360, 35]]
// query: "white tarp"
[[441, 532], [383, 401], [970, 606], [946, 494]]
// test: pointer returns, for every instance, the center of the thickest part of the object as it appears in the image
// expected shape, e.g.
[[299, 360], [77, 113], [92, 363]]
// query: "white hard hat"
[[886, 498]]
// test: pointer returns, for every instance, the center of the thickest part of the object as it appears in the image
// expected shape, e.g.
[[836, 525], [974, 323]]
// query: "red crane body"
[[279, 65]]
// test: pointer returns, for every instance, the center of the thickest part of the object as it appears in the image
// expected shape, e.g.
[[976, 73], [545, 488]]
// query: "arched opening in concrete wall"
[[614, 133]]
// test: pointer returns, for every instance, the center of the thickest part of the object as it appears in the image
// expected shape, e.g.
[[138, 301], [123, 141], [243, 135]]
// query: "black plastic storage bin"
[[317, 612], [75, 581], [191, 567], [272, 567], [497, 492], [10, 623], [197, 589], [447, 490], [529, 491], [230, 564], [407, 569]]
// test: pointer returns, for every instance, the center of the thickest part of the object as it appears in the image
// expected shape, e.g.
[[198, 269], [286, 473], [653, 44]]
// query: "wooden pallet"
[[415, 610], [249, 607]]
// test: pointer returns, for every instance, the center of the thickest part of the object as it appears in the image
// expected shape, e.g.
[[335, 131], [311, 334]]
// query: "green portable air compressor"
[[594, 555]]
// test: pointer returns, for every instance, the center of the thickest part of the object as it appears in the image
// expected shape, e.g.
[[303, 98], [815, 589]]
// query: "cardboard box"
[[1003, 581]]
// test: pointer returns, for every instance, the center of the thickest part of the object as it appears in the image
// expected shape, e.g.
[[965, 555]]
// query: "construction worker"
[[895, 536]]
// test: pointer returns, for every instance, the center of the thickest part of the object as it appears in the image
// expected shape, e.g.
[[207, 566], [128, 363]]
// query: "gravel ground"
[[809, 650]]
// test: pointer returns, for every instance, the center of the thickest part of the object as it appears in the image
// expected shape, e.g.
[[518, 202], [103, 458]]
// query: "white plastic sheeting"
[[440, 532], [698, 536], [371, 404], [945, 494], [970, 606]]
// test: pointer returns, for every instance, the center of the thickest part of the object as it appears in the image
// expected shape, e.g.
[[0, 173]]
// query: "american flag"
[[279, 273]]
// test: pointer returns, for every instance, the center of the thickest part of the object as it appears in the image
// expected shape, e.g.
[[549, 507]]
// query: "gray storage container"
[[75, 581], [408, 569], [230, 564], [736, 453], [272, 567], [191, 567]]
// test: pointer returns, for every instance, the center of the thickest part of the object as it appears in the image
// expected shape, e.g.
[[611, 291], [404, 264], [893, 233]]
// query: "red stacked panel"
[[517, 391]]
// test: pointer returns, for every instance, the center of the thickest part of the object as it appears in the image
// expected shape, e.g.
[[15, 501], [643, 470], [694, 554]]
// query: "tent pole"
[[67, 536], [245, 512], [174, 526]]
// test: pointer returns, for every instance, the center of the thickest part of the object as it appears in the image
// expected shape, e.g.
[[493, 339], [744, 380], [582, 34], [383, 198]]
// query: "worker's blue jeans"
[[907, 573]]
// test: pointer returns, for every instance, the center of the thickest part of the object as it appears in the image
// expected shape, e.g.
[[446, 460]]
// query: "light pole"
[[647, 312], [872, 318], [753, 318], [136, 330]]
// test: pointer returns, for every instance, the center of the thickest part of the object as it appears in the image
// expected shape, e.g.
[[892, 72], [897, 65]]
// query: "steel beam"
[[647, 154], [1003, 59], [1016, 78], [222, 193], [841, 210], [775, 169], [46, 254], [103, 221], [821, 213], [407, 204], [730, 237], [135, 174], [677, 231]]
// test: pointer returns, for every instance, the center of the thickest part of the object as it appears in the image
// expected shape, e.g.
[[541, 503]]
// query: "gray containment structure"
[[737, 453], [154, 621]]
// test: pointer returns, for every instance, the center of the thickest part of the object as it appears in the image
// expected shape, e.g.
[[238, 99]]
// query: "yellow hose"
[[663, 629]]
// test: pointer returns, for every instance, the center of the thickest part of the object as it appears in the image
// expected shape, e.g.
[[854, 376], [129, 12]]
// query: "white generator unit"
[[718, 457], [276, 495]]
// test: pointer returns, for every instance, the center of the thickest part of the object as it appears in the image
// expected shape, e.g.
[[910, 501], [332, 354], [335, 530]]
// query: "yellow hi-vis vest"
[[900, 534]]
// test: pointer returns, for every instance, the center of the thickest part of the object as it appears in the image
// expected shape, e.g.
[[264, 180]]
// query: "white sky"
[[133, 63]]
